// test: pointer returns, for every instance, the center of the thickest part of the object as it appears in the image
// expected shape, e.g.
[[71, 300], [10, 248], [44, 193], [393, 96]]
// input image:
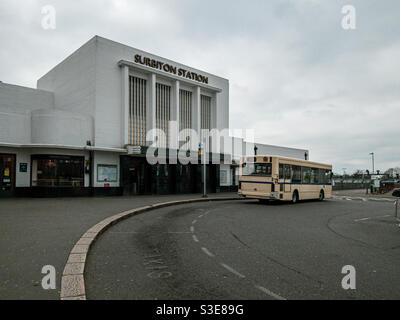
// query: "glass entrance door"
[[7, 174]]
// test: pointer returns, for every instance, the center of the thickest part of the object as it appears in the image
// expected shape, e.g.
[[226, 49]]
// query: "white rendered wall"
[[73, 81], [60, 127]]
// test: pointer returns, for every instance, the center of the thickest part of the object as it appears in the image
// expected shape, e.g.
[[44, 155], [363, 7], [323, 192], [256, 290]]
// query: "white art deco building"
[[84, 129]]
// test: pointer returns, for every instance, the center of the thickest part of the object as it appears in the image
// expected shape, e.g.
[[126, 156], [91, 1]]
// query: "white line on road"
[[133, 232], [205, 250], [381, 199], [270, 293], [194, 221], [195, 238], [369, 218], [360, 198], [232, 270], [363, 219], [192, 229]]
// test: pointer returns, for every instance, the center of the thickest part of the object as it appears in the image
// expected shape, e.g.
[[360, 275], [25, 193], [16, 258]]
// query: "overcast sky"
[[296, 76]]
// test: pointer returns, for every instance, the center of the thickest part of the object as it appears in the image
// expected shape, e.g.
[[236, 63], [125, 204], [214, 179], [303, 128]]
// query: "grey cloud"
[[296, 76]]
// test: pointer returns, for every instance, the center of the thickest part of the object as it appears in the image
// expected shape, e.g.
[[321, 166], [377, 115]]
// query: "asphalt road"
[[247, 250], [37, 232]]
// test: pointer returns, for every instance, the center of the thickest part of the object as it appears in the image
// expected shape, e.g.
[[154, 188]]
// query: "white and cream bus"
[[280, 178]]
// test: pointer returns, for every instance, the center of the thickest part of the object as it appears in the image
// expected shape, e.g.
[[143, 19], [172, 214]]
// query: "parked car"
[[396, 192]]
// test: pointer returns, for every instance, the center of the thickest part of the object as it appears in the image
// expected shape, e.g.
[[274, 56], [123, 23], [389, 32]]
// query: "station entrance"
[[7, 175], [138, 177]]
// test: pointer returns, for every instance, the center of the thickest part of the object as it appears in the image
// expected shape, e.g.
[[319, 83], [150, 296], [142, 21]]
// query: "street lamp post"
[[373, 162], [203, 153]]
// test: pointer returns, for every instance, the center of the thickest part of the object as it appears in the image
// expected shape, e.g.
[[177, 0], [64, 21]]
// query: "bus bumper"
[[268, 196]]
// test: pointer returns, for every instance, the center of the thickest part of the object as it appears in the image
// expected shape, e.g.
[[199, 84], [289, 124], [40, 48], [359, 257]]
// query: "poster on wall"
[[223, 177], [107, 173]]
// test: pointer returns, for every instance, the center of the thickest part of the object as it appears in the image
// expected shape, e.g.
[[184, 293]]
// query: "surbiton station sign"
[[155, 64]]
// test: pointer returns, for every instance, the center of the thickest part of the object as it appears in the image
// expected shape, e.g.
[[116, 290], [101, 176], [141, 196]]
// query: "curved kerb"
[[72, 280]]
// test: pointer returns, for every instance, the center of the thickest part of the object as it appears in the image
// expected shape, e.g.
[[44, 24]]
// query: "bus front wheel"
[[295, 197]]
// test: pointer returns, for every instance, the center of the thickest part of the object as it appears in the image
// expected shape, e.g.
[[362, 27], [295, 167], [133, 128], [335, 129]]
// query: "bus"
[[287, 179]]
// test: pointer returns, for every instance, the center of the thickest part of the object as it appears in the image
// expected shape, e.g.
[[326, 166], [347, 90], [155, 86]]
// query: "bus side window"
[[288, 172], [296, 174], [322, 177], [306, 174], [281, 174], [314, 175], [328, 177]]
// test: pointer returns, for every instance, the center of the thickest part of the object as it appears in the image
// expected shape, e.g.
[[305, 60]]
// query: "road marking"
[[192, 229], [200, 216], [270, 293], [178, 232], [360, 198], [195, 238], [369, 218], [205, 250], [194, 221], [232, 270], [381, 199], [133, 232], [363, 219]]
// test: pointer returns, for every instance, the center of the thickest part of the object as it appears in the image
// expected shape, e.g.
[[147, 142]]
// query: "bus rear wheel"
[[321, 195], [295, 197]]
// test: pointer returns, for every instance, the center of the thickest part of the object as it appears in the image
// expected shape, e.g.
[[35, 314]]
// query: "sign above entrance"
[[155, 64], [134, 149]]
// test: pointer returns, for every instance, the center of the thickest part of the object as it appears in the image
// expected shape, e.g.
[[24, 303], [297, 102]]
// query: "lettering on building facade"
[[170, 69]]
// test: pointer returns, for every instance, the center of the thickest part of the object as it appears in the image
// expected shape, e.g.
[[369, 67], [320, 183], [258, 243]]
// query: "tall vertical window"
[[163, 109], [185, 113], [185, 109], [137, 111], [205, 112]]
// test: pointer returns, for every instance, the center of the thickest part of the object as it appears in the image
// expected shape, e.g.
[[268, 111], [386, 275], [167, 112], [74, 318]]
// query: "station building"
[[83, 131]]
